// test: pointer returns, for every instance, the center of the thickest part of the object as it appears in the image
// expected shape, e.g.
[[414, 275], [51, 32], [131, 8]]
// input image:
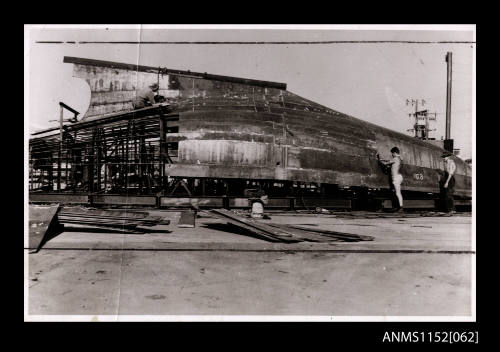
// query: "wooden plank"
[[94, 223], [98, 218], [79, 211], [117, 222], [115, 218], [306, 236], [250, 229], [58, 198], [109, 228], [124, 200], [340, 235], [279, 234], [292, 233]]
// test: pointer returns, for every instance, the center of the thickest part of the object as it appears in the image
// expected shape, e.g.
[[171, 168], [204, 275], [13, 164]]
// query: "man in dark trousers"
[[448, 183]]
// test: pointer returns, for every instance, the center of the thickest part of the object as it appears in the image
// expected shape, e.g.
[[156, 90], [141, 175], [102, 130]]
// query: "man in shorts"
[[396, 177]]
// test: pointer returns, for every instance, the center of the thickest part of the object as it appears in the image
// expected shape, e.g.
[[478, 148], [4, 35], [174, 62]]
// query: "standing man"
[[448, 183], [396, 177], [145, 97]]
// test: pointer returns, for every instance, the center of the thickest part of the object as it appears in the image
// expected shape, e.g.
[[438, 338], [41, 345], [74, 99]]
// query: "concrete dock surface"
[[417, 265]]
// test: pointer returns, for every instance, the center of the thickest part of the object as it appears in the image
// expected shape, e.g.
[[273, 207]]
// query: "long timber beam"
[[151, 69], [166, 201]]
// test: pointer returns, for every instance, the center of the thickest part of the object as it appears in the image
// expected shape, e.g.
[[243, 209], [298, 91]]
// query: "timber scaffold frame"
[[120, 160], [122, 154]]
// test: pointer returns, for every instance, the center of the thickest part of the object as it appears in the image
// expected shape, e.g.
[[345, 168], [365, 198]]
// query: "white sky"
[[365, 80]]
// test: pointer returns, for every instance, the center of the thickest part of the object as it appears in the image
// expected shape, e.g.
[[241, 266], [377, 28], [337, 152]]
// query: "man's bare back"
[[396, 177], [396, 164]]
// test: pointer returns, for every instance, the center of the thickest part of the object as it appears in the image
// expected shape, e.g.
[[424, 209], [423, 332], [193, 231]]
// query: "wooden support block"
[[189, 202], [238, 203], [187, 219], [58, 198]]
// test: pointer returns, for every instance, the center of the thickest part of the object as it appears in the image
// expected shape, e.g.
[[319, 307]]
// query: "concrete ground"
[[415, 266]]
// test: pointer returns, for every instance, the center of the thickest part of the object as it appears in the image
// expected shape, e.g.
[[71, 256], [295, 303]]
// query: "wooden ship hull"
[[230, 132]]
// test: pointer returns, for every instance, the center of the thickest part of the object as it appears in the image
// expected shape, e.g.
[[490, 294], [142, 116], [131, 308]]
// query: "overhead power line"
[[259, 42]]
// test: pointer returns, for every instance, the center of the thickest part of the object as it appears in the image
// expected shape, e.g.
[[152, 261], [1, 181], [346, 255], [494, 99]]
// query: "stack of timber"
[[108, 218], [286, 233]]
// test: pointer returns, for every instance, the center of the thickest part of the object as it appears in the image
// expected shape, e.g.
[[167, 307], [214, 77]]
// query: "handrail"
[[69, 109]]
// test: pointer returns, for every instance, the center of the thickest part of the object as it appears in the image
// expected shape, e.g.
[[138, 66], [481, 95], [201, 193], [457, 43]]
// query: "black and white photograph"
[[216, 173]]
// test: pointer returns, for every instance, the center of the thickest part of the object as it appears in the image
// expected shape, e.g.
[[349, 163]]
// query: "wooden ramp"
[[286, 233], [47, 221], [42, 224]]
